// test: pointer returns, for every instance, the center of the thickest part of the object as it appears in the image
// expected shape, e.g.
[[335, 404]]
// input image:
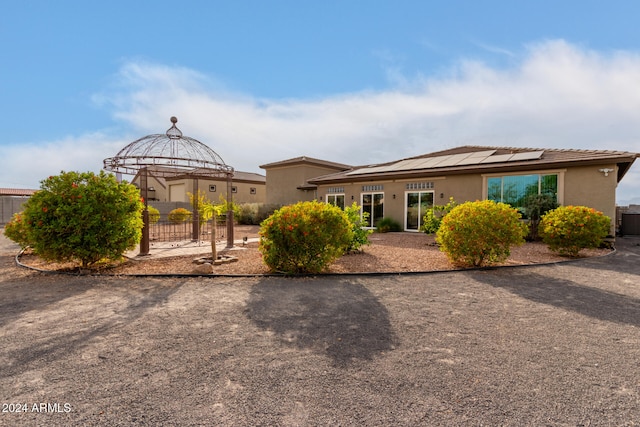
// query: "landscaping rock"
[[205, 268]]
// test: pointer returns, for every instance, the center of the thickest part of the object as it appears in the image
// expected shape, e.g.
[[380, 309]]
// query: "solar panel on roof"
[[497, 159], [529, 155], [452, 160], [462, 159]]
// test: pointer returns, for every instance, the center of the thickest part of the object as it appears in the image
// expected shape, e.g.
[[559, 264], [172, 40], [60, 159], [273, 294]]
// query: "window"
[[336, 199], [513, 189], [373, 204], [416, 205], [212, 188], [252, 190], [425, 185]]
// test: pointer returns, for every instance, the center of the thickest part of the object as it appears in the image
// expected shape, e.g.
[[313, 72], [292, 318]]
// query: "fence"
[[166, 231], [10, 205]]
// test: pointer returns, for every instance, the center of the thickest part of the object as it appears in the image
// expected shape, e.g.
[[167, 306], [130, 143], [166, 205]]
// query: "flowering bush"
[[569, 229], [80, 216], [305, 237], [179, 215], [480, 233]]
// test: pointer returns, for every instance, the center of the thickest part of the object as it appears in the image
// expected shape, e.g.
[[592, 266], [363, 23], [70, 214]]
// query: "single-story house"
[[246, 187], [404, 189], [288, 180]]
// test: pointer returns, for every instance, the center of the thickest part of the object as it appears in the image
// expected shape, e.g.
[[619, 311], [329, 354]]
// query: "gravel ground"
[[554, 345]]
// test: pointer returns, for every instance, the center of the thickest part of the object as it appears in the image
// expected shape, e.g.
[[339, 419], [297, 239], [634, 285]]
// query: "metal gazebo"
[[172, 155]]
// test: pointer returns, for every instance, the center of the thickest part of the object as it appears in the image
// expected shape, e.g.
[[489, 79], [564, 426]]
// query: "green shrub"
[[358, 221], [247, 214], [254, 213], [179, 215], [433, 217], [480, 233], [386, 225], [534, 206], [16, 230], [569, 229], [305, 237], [154, 215], [81, 216]]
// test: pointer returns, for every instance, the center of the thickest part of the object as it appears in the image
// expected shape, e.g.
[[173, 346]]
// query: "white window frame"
[[371, 218], [420, 214], [334, 196]]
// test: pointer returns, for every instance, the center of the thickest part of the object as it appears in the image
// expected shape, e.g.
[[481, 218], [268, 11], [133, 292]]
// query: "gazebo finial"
[[173, 132]]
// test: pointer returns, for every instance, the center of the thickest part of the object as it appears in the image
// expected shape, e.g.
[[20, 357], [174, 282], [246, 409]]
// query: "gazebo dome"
[[169, 154]]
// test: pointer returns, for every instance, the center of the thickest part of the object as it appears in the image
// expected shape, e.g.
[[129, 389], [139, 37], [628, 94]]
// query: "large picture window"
[[336, 199], [513, 189], [416, 205], [373, 204]]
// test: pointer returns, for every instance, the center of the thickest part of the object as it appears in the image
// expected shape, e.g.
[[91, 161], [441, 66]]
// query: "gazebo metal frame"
[[172, 155]]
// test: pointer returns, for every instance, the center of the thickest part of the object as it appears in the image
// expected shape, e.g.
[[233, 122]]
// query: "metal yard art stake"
[[172, 155]]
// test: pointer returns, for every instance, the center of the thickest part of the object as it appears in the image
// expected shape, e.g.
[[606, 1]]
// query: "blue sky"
[[348, 81]]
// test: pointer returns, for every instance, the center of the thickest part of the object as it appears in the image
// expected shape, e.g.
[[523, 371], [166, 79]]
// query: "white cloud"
[[557, 96], [24, 166]]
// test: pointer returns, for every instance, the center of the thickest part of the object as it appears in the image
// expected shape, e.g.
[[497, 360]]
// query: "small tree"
[[479, 233], [534, 206], [305, 237], [81, 216], [569, 229]]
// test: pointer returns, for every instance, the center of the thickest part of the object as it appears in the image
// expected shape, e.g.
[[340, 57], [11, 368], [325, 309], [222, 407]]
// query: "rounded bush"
[[154, 214], [480, 233], [82, 216], [304, 238], [569, 229], [179, 215]]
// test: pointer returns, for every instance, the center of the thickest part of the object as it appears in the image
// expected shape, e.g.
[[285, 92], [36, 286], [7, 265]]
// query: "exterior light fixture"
[[606, 171]]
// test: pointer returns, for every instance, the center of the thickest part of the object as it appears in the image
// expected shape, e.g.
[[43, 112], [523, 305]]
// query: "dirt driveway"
[[546, 345]]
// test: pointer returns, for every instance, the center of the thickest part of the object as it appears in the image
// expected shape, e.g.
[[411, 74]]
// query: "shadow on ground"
[[70, 303], [566, 294], [338, 318]]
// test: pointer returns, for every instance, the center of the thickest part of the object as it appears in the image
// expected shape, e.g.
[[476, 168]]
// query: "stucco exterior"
[[246, 188], [287, 181]]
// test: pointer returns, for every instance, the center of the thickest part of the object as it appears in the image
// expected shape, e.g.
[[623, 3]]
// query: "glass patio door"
[[373, 204], [417, 204]]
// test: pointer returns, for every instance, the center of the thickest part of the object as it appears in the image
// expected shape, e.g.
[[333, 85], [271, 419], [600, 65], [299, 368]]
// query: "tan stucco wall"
[[587, 186], [242, 195], [282, 183], [176, 190]]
